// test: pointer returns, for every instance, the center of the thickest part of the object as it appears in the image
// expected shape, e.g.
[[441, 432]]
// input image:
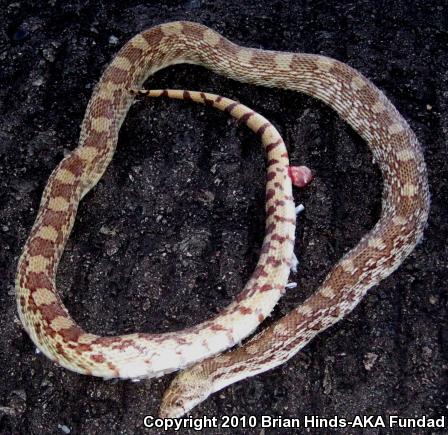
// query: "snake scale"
[[405, 207]]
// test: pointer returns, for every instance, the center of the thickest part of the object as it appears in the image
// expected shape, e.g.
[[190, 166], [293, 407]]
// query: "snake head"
[[188, 389]]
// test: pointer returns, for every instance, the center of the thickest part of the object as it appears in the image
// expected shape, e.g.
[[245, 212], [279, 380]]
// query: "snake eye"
[[179, 403]]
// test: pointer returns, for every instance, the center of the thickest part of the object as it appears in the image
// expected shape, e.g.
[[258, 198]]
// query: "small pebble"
[[38, 82], [48, 54], [107, 231], [64, 428], [111, 248], [300, 208], [113, 40], [369, 360]]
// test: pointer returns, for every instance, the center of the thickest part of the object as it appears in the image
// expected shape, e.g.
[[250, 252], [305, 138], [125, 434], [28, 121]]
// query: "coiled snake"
[[404, 213]]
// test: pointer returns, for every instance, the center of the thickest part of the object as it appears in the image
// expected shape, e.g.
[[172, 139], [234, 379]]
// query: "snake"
[[198, 349]]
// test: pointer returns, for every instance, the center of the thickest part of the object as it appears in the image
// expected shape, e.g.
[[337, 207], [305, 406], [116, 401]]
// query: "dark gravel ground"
[[174, 228]]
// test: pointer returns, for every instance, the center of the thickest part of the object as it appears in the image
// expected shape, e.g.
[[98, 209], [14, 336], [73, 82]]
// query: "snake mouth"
[[175, 410]]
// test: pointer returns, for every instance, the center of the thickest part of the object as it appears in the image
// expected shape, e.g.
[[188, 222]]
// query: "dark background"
[[173, 229]]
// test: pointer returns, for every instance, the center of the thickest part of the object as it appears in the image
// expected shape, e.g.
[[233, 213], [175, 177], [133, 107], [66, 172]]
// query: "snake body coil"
[[404, 213]]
